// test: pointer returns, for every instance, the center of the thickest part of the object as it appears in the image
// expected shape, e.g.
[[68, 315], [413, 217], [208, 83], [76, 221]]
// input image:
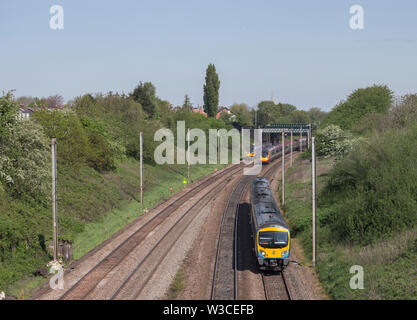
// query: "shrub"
[[375, 99], [332, 141], [372, 192]]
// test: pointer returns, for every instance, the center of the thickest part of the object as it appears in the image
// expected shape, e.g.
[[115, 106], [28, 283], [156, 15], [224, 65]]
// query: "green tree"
[[187, 106], [211, 91], [145, 94], [375, 99], [242, 113], [316, 116], [9, 111]]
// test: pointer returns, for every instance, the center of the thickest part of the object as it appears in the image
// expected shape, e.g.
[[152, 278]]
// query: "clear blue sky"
[[302, 51]]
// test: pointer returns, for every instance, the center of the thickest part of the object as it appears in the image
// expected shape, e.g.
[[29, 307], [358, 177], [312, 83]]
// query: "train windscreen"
[[273, 239]]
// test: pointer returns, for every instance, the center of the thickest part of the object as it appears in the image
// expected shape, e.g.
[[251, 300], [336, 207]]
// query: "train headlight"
[[283, 254], [263, 253]]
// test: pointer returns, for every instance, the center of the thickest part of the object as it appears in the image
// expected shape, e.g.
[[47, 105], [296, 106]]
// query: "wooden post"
[[291, 145], [313, 173], [283, 166], [141, 169], [54, 204]]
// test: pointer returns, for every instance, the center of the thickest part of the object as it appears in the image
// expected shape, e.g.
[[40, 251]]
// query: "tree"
[[54, 101], [242, 113], [298, 116], [145, 94], [9, 111], [24, 153], [375, 99], [316, 116], [187, 106], [268, 113], [211, 91]]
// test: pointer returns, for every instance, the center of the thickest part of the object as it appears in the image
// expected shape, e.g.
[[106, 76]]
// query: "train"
[[271, 152], [271, 235]]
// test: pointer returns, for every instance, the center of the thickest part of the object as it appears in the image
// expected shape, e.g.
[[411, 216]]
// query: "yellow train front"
[[272, 238], [269, 153]]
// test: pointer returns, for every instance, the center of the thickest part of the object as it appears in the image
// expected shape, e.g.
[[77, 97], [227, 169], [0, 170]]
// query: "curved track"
[[84, 286], [224, 283]]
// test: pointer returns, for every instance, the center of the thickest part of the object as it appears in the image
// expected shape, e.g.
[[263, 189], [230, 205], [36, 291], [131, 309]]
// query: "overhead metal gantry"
[[295, 128], [289, 128]]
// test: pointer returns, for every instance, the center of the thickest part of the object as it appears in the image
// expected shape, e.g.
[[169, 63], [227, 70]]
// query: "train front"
[[266, 157], [273, 248]]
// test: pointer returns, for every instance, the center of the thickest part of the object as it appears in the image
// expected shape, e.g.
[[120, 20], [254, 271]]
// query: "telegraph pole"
[[141, 169], [313, 161], [188, 155], [283, 166], [54, 204], [291, 145]]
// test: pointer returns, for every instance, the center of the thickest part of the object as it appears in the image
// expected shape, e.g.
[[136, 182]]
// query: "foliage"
[[283, 113], [24, 154], [211, 91], [24, 162], [187, 106], [145, 94], [332, 141], [372, 192], [9, 110], [375, 99], [78, 141], [243, 116]]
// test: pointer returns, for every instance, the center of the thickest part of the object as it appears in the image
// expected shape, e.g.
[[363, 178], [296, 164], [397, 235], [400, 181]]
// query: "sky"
[[298, 52]]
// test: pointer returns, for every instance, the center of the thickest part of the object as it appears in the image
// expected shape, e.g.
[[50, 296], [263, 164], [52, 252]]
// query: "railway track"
[[275, 286], [224, 283], [137, 280], [86, 285]]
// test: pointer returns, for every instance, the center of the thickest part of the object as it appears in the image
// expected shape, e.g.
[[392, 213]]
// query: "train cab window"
[[265, 153], [273, 239]]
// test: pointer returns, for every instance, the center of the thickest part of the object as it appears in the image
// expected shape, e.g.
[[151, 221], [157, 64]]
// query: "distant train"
[[272, 238], [271, 152]]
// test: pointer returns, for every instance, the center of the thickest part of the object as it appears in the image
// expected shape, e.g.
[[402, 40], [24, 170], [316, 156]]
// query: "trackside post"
[[291, 145], [141, 168], [283, 166], [188, 155], [313, 173], [54, 206]]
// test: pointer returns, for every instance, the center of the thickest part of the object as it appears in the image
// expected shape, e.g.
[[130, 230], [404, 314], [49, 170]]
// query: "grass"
[[389, 264], [176, 286], [91, 208]]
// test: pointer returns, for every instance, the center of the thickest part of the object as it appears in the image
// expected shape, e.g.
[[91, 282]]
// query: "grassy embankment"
[[106, 202], [389, 262]]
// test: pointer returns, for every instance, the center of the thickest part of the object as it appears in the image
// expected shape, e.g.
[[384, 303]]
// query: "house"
[[25, 113], [199, 110], [224, 110]]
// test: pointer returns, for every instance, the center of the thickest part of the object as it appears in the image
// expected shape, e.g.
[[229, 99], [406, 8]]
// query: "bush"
[[372, 192], [79, 141], [375, 99], [332, 141]]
